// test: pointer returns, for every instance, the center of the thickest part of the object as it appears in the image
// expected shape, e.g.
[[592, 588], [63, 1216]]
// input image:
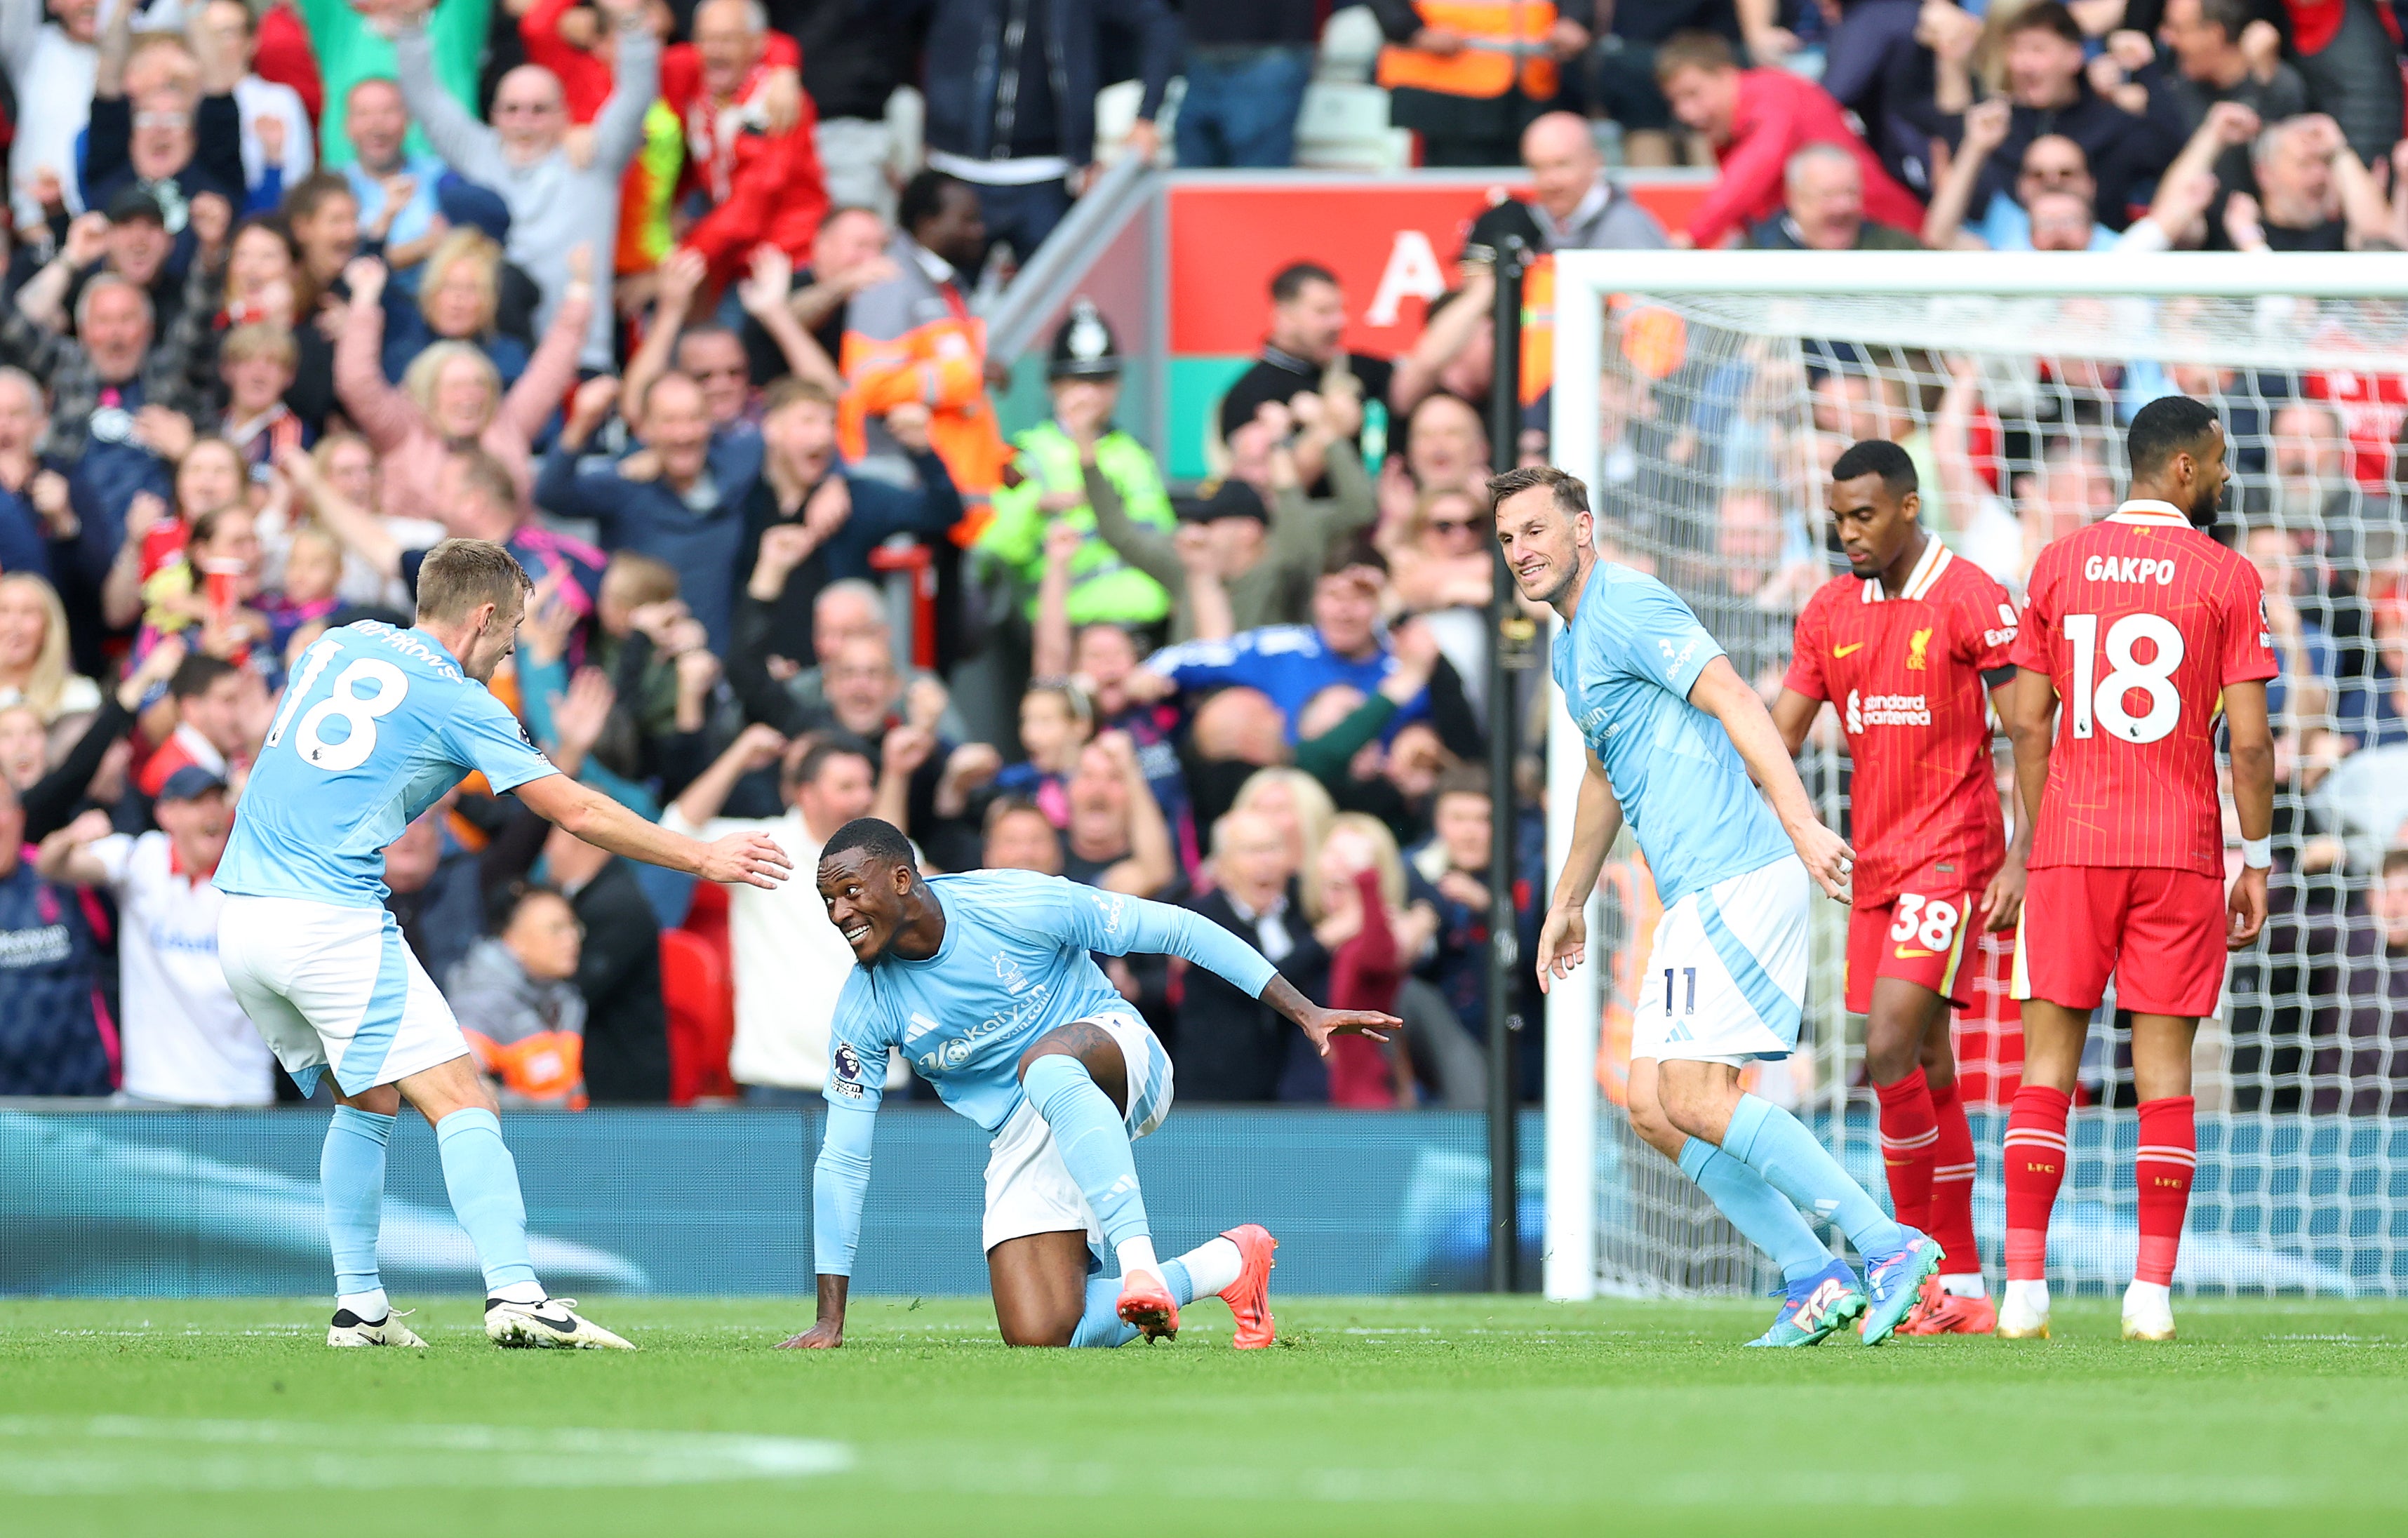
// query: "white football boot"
[[553, 1322], [348, 1328], [2149, 1312], [2022, 1313]]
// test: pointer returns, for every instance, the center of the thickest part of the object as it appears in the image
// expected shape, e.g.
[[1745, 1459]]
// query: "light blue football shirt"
[[1014, 965], [1626, 665], [376, 726]]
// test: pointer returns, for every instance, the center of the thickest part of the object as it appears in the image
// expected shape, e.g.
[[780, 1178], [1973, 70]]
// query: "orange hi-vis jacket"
[[911, 339], [1505, 41]]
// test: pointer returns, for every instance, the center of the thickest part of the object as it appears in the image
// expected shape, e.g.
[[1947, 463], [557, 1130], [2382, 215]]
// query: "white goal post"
[[2050, 347]]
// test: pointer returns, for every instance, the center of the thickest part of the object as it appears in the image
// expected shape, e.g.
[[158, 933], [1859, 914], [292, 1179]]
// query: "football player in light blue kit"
[[1675, 735], [986, 983], [376, 726]]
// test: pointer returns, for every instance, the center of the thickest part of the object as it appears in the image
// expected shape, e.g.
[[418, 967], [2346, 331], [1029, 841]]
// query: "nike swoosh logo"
[[1847, 650], [1904, 954]]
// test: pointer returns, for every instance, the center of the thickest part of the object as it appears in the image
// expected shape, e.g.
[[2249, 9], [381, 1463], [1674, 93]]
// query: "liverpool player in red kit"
[[2137, 625], [1906, 647]]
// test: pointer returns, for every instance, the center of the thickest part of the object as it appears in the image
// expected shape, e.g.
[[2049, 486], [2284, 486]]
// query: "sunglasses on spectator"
[[162, 119], [1451, 525], [735, 371]]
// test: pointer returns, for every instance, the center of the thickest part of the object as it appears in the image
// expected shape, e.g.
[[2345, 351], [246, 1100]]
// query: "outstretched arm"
[[1721, 693], [751, 859], [839, 1182]]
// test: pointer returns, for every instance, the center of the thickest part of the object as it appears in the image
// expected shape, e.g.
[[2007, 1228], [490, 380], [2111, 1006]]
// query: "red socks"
[[1909, 1137], [1952, 1185], [2034, 1157], [2161, 1168]]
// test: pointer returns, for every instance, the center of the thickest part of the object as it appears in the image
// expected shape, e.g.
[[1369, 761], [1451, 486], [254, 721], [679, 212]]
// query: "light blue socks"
[[1100, 1325], [483, 1181], [1756, 1210], [1095, 1148], [350, 1181], [1776, 1145]]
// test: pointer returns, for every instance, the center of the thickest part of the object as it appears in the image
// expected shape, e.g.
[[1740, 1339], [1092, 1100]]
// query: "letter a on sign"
[[1412, 273]]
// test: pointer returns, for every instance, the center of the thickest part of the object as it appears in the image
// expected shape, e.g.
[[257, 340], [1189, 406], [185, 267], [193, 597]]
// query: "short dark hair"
[[1350, 554], [1009, 806], [880, 839], [2233, 16], [2044, 16], [825, 751], [502, 907], [1877, 456], [923, 199], [315, 190], [1570, 492], [1706, 50], [1289, 280], [195, 676], [2163, 429]]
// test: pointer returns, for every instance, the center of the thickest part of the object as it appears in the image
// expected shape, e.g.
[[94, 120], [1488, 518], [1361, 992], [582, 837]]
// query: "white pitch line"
[[112, 1454]]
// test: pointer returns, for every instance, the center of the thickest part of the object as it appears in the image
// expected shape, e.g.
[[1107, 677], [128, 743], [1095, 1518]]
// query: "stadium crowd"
[[643, 291]]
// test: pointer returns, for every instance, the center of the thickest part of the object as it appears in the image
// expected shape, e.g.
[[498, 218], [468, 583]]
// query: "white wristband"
[[2257, 854]]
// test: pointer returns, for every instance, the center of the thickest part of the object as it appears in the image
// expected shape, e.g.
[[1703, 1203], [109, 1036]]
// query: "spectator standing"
[[395, 190], [52, 522], [1468, 78], [2347, 52], [1756, 119], [2051, 165], [618, 972], [1083, 377], [1356, 900], [910, 338], [1232, 1048], [53, 1040], [2312, 194], [560, 202], [1305, 352], [186, 1041], [153, 129], [212, 731], [271, 113], [517, 1001], [1012, 87], [681, 501], [848, 255], [790, 962], [1248, 63], [563, 36], [1823, 208], [2218, 58], [53, 57], [1578, 207], [762, 181]]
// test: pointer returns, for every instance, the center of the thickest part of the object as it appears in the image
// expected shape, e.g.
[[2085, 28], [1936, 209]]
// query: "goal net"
[[1703, 397]]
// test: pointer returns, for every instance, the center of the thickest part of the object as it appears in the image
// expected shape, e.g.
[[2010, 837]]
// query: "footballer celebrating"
[[987, 981], [1678, 743], [1909, 646], [2136, 626]]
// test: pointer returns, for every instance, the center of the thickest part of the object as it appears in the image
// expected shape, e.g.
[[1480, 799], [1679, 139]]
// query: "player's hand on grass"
[[1563, 945], [2246, 907], [1828, 860], [827, 1335], [2002, 902], [751, 860]]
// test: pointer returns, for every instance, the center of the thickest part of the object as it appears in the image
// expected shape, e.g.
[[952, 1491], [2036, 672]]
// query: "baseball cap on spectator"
[[190, 784], [1085, 348], [463, 202], [134, 203], [1229, 499]]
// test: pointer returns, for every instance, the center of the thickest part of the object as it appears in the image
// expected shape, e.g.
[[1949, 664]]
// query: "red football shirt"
[[2140, 620], [1905, 670]]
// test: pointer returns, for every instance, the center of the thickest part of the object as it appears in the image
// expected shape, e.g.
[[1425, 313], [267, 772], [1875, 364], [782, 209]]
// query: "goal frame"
[[1583, 281]]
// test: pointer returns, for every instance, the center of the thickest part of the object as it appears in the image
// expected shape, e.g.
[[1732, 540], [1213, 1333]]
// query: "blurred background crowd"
[[682, 302]]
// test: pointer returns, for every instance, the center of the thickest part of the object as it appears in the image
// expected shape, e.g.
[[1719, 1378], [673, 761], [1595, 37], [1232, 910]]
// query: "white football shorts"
[[1028, 1188], [1725, 978], [334, 987]]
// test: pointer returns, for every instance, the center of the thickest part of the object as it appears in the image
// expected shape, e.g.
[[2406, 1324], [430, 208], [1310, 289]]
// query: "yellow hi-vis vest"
[[1503, 41]]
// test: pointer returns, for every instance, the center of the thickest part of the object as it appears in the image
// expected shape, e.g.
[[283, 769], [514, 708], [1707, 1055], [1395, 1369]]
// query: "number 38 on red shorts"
[[1918, 936]]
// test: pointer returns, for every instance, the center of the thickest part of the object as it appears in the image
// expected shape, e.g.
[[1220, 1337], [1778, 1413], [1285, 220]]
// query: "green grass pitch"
[[1387, 1417]]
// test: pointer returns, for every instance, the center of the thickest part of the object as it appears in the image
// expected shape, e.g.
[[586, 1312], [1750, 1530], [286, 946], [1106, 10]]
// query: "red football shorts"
[[1918, 938], [2159, 931]]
